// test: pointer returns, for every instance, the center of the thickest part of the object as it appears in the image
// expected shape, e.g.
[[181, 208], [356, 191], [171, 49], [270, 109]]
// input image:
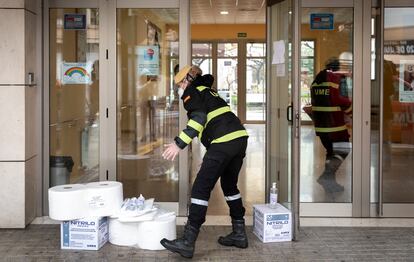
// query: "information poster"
[[406, 83], [148, 60], [322, 21], [76, 73], [74, 22]]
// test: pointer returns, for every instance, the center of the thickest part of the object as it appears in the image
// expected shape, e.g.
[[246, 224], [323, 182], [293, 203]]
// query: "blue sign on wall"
[[321, 21], [74, 21]]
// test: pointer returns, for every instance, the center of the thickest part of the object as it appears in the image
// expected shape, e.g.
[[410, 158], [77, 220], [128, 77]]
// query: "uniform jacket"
[[209, 116], [329, 107]]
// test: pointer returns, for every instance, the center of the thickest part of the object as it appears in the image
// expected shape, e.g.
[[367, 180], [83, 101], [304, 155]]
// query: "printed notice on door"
[[406, 81], [76, 73]]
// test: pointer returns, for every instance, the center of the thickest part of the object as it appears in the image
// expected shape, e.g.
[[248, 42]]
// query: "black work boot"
[[237, 238], [329, 184], [184, 245]]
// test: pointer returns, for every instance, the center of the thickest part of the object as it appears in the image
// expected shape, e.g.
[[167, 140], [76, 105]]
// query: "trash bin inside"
[[60, 169]]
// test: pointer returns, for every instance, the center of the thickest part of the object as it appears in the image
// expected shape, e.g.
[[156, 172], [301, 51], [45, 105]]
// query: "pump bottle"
[[273, 196]]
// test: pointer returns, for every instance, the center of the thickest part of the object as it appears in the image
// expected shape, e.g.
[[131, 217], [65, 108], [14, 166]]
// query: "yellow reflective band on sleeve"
[[231, 136], [201, 88], [183, 136], [326, 108], [348, 110], [331, 84], [330, 129], [217, 112], [195, 125]]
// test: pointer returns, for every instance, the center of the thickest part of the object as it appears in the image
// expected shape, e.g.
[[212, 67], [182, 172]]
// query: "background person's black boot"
[[238, 237], [184, 245]]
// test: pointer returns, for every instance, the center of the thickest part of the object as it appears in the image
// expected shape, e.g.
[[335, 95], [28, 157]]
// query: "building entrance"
[[111, 103]]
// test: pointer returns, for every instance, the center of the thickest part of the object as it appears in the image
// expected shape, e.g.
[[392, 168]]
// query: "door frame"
[[108, 80], [46, 83], [382, 209], [359, 205], [292, 192], [179, 207]]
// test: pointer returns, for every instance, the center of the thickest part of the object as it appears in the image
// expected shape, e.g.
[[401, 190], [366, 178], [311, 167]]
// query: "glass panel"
[[280, 97], [307, 75], [203, 49], [74, 95], [375, 105], [227, 49], [147, 102], [256, 49], [227, 81], [202, 57], [398, 106], [206, 64], [326, 157], [255, 89]]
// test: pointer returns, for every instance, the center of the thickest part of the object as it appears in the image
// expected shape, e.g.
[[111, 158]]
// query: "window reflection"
[[147, 43]]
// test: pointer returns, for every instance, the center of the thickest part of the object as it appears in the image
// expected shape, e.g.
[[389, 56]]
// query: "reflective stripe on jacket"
[[329, 107], [210, 118]]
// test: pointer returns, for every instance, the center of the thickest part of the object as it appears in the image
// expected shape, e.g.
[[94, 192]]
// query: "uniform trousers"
[[224, 161]]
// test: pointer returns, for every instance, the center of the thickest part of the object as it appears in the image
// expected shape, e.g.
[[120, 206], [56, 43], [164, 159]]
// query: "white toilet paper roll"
[[123, 234], [104, 198], [66, 202], [151, 232]]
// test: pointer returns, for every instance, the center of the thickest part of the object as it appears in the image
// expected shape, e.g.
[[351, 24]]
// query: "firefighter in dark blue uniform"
[[225, 138]]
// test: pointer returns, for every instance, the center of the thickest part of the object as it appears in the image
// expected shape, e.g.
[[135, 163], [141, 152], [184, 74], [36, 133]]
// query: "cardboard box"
[[84, 234], [272, 224]]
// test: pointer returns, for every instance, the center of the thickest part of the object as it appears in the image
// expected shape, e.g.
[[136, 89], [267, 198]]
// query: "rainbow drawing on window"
[[76, 73]]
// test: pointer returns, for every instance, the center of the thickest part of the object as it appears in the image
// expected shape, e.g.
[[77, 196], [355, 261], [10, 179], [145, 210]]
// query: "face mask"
[[180, 92]]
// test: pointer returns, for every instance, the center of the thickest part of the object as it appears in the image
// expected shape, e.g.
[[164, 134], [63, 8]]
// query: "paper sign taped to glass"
[[406, 81], [148, 60], [76, 73]]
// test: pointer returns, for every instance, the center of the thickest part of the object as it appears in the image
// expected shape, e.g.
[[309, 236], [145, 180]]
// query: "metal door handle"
[[289, 113]]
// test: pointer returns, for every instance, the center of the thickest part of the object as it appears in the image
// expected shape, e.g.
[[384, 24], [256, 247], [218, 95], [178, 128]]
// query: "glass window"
[[227, 81], [398, 106], [202, 57], [227, 49], [307, 74], [255, 82], [326, 138], [147, 101], [74, 96], [256, 49]]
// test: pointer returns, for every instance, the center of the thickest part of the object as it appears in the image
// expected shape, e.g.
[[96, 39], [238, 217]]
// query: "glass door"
[[74, 95], [147, 104], [282, 123], [396, 197], [112, 104], [332, 182]]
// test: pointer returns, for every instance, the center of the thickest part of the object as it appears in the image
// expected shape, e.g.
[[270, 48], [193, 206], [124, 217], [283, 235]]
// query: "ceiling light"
[[224, 12]]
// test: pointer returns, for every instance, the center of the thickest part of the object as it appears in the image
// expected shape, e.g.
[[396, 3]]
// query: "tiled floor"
[[42, 243]]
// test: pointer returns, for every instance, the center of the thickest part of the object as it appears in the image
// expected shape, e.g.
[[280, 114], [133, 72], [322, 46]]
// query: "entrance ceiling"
[[239, 11]]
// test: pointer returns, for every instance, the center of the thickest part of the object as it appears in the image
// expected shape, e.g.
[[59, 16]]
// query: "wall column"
[[20, 109]]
